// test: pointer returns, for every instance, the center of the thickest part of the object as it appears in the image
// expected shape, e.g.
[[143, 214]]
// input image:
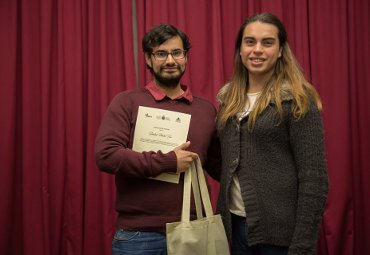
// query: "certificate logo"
[[163, 117]]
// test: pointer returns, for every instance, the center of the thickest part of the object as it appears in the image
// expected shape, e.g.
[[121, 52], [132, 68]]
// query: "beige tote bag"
[[204, 236]]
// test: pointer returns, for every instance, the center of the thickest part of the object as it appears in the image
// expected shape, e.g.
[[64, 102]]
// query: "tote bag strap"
[[203, 189], [196, 193], [185, 214], [194, 178], [191, 181]]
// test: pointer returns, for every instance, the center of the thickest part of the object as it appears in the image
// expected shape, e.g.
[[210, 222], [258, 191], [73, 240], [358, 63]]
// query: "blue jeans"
[[240, 245], [139, 243]]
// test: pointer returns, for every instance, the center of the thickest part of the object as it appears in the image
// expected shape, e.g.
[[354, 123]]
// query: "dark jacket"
[[282, 172]]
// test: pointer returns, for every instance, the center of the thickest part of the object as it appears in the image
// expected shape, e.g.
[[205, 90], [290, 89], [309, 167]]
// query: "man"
[[146, 205]]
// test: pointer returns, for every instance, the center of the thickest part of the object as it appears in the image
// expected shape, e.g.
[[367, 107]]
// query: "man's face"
[[169, 71]]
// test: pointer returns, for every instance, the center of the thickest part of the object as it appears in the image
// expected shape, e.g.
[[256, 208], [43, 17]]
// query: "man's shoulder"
[[203, 101], [129, 97], [133, 91], [130, 94]]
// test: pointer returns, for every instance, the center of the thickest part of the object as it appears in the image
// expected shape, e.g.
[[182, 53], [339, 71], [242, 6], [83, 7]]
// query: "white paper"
[[160, 130]]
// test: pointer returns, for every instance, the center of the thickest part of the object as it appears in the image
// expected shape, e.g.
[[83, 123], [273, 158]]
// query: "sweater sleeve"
[[112, 151], [213, 163], [306, 136]]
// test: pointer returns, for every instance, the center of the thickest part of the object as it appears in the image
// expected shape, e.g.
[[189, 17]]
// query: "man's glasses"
[[163, 55]]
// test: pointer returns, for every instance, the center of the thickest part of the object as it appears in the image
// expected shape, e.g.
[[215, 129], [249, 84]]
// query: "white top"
[[236, 200]]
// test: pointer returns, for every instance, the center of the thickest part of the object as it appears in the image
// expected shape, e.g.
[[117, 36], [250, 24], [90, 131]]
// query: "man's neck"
[[171, 91]]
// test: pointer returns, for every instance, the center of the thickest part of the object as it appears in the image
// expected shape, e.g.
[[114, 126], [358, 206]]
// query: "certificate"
[[160, 130]]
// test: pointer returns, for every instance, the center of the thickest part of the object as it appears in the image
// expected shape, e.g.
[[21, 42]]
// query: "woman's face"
[[260, 48]]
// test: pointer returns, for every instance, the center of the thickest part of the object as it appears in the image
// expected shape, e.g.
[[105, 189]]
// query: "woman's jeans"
[[139, 243], [239, 241]]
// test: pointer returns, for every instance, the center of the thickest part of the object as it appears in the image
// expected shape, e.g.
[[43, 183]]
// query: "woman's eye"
[[268, 43]]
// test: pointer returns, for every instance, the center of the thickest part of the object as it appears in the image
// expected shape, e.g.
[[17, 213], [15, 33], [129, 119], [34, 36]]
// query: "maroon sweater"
[[144, 204]]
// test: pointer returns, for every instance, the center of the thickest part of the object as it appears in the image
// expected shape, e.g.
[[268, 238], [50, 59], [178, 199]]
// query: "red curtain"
[[61, 62]]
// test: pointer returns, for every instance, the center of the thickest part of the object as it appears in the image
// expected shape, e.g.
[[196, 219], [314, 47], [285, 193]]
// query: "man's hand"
[[184, 157]]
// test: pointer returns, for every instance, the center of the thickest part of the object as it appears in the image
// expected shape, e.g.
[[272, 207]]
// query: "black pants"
[[240, 245]]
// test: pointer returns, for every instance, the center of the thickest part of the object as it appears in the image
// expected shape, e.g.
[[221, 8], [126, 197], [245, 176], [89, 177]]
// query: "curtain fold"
[[359, 95], [61, 63]]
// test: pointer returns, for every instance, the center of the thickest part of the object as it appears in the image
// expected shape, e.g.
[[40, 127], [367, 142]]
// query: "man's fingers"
[[184, 157], [183, 146]]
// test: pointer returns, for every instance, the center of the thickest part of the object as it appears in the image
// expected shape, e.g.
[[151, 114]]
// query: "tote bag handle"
[[194, 178]]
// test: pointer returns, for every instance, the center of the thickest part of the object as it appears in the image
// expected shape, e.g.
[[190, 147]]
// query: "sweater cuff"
[[164, 163]]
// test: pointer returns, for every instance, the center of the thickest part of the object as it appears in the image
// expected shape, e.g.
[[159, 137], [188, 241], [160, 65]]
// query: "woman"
[[274, 181]]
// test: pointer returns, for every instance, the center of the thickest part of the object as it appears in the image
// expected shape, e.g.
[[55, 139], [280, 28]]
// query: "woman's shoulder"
[[286, 93], [222, 93]]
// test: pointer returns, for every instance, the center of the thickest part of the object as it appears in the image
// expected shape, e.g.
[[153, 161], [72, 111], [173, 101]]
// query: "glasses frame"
[[169, 53]]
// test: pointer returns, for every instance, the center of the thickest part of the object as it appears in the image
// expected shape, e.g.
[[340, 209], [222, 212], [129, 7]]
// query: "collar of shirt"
[[159, 95]]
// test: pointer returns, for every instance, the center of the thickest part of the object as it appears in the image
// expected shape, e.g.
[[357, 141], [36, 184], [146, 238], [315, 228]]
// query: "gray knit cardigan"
[[282, 171]]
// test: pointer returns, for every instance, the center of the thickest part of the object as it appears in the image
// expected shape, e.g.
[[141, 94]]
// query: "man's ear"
[[148, 60]]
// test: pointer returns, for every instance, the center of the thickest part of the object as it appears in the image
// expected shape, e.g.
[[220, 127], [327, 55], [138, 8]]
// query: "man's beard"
[[169, 82]]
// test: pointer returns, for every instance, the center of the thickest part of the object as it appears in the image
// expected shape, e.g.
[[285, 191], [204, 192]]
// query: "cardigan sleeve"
[[307, 142]]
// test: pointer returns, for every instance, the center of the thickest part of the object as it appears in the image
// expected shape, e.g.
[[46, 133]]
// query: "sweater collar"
[[159, 95]]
